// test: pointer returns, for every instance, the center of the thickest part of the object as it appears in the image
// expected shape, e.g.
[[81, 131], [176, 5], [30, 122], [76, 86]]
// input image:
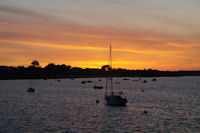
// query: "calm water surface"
[[172, 105]]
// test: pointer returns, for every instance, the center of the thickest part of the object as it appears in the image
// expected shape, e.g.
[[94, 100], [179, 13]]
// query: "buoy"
[[144, 81], [145, 111], [30, 90], [97, 101]]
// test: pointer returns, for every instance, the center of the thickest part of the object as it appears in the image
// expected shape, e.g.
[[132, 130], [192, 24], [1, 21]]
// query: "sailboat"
[[111, 97], [30, 89]]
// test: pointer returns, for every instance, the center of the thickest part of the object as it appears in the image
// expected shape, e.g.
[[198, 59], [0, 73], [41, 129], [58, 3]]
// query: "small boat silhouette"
[[30, 90], [97, 87], [83, 82], [154, 79], [89, 81]]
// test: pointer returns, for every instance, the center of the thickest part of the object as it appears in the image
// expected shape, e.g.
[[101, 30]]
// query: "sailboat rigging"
[[111, 97]]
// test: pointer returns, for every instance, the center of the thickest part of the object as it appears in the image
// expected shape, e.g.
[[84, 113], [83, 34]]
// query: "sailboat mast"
[[109, 73], [111, 82]]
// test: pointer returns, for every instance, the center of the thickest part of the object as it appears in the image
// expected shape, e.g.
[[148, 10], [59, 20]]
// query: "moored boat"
[[113, 98]]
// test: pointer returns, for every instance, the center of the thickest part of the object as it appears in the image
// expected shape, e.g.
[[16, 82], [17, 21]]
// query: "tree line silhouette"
[[34, 71]]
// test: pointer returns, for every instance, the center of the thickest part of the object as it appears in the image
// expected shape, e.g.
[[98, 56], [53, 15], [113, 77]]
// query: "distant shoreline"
[[93, 77], [63, 71]]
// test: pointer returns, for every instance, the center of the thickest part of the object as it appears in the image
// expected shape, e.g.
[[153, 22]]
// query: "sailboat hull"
[[115, 100]]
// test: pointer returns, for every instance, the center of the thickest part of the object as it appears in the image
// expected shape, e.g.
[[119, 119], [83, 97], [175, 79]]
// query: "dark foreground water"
[[172, 105]]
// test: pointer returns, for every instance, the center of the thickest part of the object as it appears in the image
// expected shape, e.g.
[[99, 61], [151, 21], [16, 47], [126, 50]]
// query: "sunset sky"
[[156, 34]]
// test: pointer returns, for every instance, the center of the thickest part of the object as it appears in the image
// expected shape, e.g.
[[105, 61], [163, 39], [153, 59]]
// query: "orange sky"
[[143, 35]]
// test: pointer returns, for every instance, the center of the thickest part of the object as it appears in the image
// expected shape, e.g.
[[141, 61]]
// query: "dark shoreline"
[[78, 77], [82, 77], [63, 71]]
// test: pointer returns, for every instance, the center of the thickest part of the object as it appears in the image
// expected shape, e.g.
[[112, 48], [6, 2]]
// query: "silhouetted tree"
[[63, 67], [35, 63], [105, 67], [51, 66], [77, 69], [69, 67]]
